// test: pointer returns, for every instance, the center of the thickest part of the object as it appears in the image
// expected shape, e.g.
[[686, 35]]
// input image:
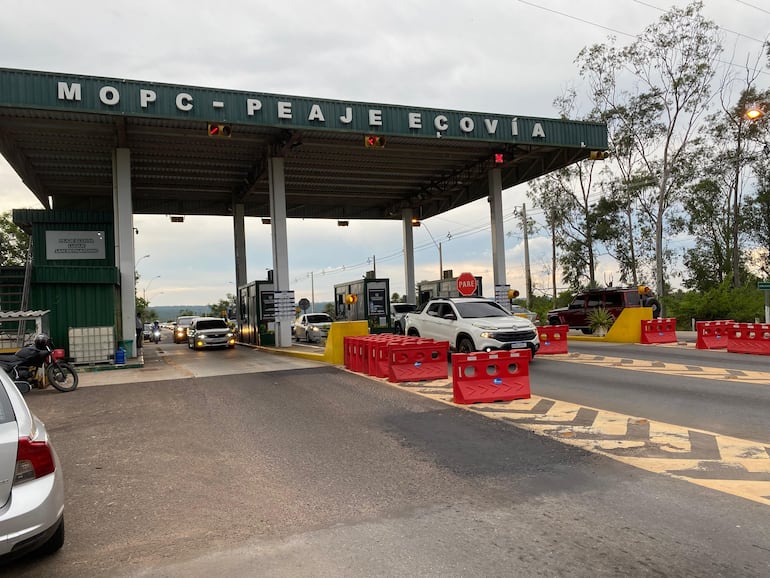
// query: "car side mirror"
[[23, 386]]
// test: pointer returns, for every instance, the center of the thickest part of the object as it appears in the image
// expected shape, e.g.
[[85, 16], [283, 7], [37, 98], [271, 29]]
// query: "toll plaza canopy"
[[200, 151]]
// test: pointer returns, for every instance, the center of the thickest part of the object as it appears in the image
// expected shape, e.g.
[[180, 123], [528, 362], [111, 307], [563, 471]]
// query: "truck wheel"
[[655, 304], [553, 321], [465, 345]]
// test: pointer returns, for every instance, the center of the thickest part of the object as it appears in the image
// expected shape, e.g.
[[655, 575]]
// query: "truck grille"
[[526, 335]]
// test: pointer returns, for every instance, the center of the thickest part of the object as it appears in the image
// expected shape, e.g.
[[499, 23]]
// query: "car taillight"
[[33, 460]]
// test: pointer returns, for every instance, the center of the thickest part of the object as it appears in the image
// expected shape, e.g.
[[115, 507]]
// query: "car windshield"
[[211, 324], [184, 321], [403, 307], [476, 309], [319, 318]]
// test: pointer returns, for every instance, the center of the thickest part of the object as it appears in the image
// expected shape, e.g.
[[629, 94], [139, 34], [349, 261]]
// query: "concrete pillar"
[[406, 218], [239, 237], [280, 243], [496, 219], [124, 244]]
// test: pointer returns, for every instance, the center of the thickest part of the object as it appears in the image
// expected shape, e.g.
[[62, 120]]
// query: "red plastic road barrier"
[[751, 338], [418, 360], [355, 352], [659, 331], [712, 334], [379, 359], [488, 377], [553, 339]]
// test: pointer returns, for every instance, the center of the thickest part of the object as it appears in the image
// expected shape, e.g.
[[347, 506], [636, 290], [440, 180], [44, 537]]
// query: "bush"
[[723, 302]]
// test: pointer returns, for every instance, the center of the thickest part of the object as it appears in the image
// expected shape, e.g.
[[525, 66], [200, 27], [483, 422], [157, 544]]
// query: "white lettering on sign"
[[253, 105], [491, 125], [375, 117], [109, 95], [69, 92], [184, 101], [284, 110], [146, 97], [316, 114]]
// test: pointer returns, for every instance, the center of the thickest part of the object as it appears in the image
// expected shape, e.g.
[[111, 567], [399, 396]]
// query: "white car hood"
[[494, 323]]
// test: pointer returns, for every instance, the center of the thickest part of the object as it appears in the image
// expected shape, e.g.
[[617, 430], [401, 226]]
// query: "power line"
[[752, 6]]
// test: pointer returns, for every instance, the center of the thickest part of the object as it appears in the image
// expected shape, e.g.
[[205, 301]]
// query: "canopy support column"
[[124, 244], [239, 238], [496, 219], [275, 167], [406, 218]]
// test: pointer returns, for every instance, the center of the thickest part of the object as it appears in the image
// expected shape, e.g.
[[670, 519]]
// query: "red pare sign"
[[466, 284]]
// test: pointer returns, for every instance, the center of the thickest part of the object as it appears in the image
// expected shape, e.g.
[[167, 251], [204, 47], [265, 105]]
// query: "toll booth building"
[[71, 273], [366, 299]]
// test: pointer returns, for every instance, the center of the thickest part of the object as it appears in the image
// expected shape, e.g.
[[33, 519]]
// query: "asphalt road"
[[292, 468]]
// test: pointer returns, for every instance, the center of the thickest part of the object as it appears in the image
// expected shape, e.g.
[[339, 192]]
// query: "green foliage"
[[13, 242], [600, 318], [396, 298], [744, 304], [222, 307], [329, 309]]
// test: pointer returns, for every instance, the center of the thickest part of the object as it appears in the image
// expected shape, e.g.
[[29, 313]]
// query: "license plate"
[[518, 345]]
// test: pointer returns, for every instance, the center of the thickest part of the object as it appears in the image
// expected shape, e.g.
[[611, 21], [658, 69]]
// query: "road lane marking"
[[723, 463], [673, 369]]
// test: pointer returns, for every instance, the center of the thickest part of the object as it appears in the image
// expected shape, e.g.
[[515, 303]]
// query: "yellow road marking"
[[673, 369], [727, 464]]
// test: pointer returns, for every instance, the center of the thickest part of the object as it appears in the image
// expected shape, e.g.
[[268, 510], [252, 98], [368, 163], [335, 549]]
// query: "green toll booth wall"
[[79, 292]]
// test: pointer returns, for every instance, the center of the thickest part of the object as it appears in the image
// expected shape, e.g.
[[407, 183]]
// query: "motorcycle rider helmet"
[[42, 341]]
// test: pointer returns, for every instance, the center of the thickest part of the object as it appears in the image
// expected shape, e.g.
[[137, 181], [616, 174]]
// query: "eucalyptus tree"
[[655, 92]]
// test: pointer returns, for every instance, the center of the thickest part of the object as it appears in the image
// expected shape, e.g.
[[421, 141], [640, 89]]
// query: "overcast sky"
[[509, 57]]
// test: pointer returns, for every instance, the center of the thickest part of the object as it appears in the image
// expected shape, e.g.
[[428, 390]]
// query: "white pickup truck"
[[472, 324]]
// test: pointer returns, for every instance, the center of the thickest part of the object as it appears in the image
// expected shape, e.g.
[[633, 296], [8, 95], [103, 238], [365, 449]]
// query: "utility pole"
[[527, 275]]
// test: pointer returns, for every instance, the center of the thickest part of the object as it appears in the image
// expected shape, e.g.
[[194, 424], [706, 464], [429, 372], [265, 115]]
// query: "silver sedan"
[[31, 480]]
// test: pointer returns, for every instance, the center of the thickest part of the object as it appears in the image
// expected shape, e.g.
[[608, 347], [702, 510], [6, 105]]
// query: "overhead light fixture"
[[754, 111], [177, 218], [415, 222], [342, 223], [266, 220]]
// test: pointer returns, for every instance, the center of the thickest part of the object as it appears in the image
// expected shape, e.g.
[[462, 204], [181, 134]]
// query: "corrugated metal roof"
[[7, 315]]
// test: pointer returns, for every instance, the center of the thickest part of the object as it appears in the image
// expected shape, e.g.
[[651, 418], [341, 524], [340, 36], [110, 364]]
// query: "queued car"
[[210, 332], [472, 324], [397, 313], [31, 480], [182, 325], [520, 311], [312, 327], [147, 332]]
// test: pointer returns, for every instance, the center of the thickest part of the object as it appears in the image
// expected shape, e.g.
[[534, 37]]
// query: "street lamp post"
[[437, 245], [144, 291]]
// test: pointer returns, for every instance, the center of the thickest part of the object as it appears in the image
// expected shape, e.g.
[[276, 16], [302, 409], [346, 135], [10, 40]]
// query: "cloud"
[[496, 57]]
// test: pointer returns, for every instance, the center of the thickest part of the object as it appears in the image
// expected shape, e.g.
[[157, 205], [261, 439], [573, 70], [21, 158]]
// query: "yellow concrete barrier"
[[335, 343], [626, 329]]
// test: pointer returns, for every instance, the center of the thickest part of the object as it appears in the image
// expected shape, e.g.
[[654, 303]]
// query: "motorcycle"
[[39, 365], [156, 335]]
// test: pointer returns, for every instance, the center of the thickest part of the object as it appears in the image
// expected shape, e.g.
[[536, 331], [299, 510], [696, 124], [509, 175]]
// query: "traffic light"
[[374, 141], [350, 299], [220, 130], [598, 155], [513, 294]]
